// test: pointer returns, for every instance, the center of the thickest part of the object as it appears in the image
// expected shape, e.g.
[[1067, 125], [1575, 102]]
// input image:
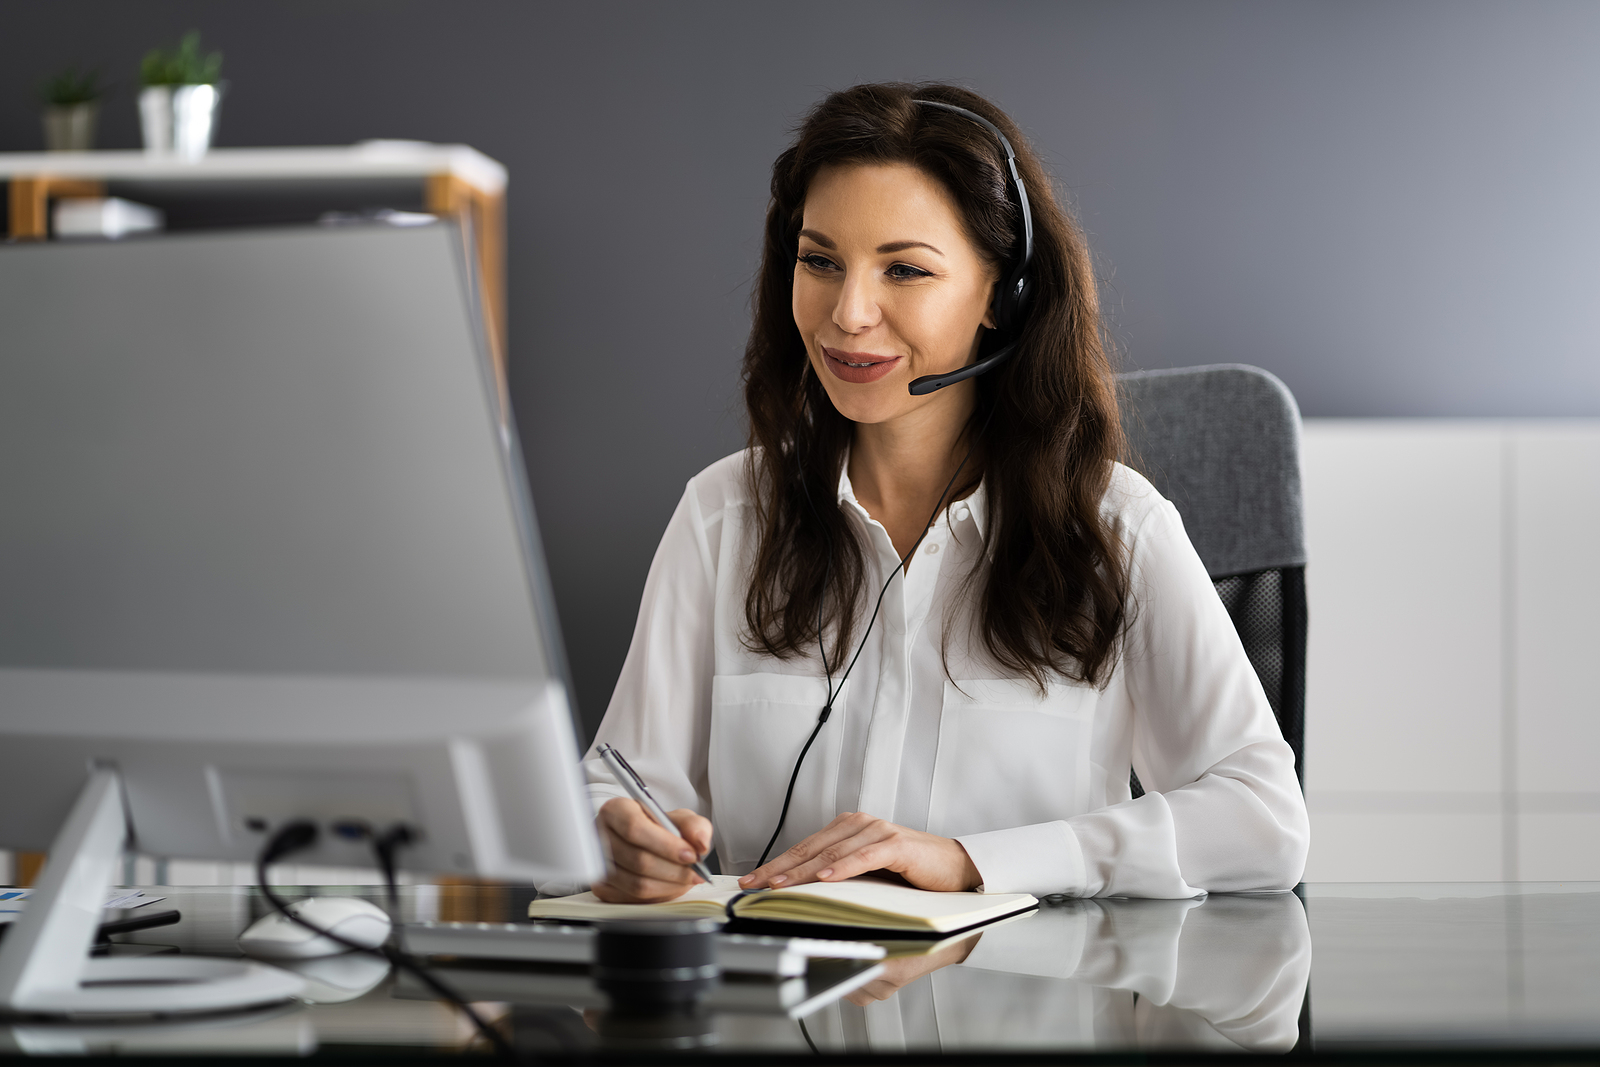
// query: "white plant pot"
[[70, 127], [179, 119]]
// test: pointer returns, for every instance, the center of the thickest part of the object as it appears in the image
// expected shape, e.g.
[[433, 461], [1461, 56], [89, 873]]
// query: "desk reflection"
[[1228, 973]]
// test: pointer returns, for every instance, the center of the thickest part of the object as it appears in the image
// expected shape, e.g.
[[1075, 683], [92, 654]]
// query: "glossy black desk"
[[1479, 971]]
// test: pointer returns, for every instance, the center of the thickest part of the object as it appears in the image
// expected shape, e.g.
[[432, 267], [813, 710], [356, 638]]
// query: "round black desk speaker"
[[664, 1028], [640, 963]]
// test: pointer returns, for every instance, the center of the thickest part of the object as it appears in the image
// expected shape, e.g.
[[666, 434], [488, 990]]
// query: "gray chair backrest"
[[1223, 444]]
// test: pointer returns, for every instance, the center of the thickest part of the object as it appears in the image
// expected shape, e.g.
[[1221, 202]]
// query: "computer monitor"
[[266, 553]]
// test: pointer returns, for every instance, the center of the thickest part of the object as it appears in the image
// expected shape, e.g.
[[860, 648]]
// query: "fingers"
[[648, 863], [899, 973], [856, 843], [875, 990], [693, 828], [623, 821], [778, 870], [625, 887], [870, 850]]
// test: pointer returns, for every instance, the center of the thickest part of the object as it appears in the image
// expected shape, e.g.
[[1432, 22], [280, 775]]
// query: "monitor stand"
[[45, 968]]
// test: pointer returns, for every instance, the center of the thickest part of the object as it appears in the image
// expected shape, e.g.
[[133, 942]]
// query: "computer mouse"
[[336, 979], [277, 937]]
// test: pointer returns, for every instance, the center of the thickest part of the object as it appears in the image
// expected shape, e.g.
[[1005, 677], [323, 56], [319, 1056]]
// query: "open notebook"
[[859, 902]]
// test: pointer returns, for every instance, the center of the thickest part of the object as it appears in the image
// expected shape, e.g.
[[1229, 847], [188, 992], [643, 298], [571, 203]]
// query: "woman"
[[929, 634]]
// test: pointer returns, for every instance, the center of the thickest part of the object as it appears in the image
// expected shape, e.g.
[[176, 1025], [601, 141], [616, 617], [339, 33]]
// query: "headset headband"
[[1016, 180], [1012, 294]]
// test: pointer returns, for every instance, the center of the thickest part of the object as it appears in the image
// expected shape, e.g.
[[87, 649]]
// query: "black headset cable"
[[822, 644]]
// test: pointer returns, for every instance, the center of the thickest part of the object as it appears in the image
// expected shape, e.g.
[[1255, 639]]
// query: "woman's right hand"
[[648, 865]]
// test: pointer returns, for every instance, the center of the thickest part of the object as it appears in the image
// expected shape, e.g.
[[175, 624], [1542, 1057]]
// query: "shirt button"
[[932, 549], [962, 514]]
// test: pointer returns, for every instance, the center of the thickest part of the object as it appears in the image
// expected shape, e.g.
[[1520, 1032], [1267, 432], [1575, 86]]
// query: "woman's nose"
[[857, 309]]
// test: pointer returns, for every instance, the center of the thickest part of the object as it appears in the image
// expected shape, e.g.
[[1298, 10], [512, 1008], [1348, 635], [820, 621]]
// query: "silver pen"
[[635, 786]]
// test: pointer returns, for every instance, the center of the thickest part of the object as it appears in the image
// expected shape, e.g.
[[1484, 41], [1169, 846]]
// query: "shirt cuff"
[[1040, 859]]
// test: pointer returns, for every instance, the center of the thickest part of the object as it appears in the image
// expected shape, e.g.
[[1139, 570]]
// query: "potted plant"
[[178, 104], [71, 106]]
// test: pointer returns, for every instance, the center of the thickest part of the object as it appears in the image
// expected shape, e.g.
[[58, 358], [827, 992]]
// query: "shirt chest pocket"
[[759, 723], [1010, 756]]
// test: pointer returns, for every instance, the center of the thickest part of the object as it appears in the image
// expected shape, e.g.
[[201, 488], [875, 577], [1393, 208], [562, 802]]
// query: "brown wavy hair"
[[1055, 592]]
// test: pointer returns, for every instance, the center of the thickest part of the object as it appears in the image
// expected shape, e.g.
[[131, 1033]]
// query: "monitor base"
[[167, 985], [45, 967]]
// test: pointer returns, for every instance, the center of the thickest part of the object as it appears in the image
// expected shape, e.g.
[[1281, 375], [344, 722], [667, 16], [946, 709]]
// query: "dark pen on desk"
[[636, 789]]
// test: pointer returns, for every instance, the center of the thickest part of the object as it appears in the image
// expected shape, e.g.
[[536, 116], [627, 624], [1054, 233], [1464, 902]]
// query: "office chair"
[[1223, 444]]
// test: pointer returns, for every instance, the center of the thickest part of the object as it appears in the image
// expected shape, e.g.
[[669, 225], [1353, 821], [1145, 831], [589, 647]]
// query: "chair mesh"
[[1268, 608], [1255, 603]]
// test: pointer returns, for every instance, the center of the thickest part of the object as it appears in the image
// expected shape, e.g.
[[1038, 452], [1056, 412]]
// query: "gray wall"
[[1391, 206]]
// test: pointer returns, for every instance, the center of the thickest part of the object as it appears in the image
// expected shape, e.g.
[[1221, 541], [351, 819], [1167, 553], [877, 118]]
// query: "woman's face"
[[887, 288]]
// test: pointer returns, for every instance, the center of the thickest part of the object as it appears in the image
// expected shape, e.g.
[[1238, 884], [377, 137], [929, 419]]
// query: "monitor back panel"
[[263, 452]]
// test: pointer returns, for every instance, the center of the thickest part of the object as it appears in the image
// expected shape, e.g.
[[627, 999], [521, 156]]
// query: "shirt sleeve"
[[1239, 964], [659, 715], [1223, 810]]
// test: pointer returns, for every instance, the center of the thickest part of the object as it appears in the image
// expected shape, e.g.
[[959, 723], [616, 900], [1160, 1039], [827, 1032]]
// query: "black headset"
[[1010, 303], [1011, 296]]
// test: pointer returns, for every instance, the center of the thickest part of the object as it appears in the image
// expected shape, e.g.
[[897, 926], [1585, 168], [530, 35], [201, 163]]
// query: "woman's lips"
[[858, 368]]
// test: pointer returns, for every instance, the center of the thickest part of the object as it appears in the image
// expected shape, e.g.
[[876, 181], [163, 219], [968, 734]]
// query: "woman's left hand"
[[899, 973], [856, 843]]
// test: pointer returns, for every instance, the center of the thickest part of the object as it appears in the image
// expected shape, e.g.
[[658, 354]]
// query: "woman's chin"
[[878, 403], [872, 410]]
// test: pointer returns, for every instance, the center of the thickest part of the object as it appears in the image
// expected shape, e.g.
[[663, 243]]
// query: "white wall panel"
[[1557, 621], [1559, 847], [1404, 847], [1403, 589]]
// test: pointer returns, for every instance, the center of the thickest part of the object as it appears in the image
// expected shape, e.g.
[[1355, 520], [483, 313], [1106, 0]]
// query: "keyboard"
[[780, 957]]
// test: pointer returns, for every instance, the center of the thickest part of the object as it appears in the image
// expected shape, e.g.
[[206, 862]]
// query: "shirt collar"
[[976, 502]]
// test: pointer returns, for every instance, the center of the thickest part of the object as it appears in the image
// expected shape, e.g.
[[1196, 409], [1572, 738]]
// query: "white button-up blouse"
[[1033, 784]]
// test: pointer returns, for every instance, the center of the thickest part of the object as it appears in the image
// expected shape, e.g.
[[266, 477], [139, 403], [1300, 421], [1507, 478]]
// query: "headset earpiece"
[[1014, 293]]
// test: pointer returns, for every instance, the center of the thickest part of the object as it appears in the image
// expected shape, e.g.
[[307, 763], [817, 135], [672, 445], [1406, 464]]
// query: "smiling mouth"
[[856, 359], [859, 368]]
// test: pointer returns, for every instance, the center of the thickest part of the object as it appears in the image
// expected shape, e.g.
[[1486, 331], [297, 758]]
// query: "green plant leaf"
[[183, 65], [72, 86]]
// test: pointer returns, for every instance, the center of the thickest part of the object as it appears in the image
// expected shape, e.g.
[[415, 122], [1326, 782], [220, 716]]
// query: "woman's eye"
[[905, 272], [816, 262]]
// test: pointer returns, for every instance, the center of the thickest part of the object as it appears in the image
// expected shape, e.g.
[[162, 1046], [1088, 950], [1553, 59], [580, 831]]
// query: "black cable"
[[807, 1035], [822, 644], [827, 670], [297, 835], [794, 777], [384, 847]]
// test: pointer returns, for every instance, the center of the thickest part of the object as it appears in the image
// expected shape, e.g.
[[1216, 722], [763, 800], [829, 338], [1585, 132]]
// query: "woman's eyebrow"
[[884, 249], [901, 246]]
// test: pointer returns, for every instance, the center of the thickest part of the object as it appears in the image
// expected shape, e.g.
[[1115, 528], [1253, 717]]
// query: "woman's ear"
[[987, 322]]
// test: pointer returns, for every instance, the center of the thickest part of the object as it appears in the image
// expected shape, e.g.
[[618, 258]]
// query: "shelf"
[[369, 159], [267, 186]]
